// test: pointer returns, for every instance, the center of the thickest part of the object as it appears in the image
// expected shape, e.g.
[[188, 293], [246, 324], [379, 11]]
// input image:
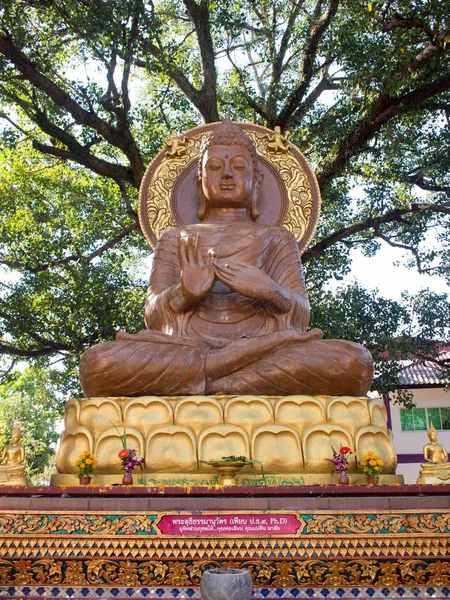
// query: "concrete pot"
[[226, 584]]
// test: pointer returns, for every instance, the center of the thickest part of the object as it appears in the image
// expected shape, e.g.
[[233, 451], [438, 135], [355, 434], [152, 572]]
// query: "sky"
[[386, 271], [381, 272]]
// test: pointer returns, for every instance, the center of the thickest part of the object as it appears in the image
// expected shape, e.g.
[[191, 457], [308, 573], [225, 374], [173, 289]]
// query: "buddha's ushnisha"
[[227, 310]]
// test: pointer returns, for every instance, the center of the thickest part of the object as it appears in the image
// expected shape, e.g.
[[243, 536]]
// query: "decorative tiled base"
[[158, 545], [192, 593]]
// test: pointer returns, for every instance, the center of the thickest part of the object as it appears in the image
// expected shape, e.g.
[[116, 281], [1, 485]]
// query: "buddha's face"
[[15, 437], [227, 176], [432, 436]]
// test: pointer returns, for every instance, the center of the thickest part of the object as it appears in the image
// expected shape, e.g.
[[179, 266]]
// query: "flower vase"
[[371, 480], [85, 479], [343, 478], [127, 478]]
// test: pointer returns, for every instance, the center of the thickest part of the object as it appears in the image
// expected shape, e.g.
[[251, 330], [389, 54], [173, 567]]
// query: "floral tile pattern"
[[193, 593]]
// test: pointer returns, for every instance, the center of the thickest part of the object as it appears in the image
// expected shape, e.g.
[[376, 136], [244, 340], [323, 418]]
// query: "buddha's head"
[[228, 174], [432, 434], [15, 435]]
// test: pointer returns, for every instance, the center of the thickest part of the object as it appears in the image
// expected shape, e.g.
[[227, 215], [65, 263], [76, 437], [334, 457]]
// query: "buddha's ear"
[[254, 212], [201, 198]]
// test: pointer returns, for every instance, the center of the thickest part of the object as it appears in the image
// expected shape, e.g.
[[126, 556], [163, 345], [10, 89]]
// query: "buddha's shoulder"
[[279, 234], [273, 232], [279, 231], [174, 233], [183, 231]]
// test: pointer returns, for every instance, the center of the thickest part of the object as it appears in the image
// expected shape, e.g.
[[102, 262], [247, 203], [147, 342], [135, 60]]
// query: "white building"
[[409, 426]]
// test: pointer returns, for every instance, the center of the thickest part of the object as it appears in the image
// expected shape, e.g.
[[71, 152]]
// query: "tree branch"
[[130, 210], [35, 352], [411, 249], [49, 347], [176, 75], [205, 99], [208, 99], [73, 257], [5, 372], [383, 110], [315, 35], [113, 242], [426, 184], [323, 85], [61, 98], [77, 152], [102, 167], [372, 223], [279, 59], [401, 22], [251, 102]]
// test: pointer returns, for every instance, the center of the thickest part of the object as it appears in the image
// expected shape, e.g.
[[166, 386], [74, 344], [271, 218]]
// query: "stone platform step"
[[246, 479]]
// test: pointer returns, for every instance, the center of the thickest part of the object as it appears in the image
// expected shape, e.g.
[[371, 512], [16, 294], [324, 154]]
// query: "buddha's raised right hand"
[[197, 274]]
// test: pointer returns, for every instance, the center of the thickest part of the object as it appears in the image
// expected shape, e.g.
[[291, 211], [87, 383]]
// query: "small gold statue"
[[12, 471], [437, 467], [176, 146], [278, 142]]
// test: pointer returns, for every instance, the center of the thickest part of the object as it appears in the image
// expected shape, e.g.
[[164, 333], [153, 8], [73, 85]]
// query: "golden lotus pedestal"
[[292, 436], [434, 474], [297, 532], [13, 476]]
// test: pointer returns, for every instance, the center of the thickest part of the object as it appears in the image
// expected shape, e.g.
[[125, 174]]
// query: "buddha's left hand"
[[253, 283]]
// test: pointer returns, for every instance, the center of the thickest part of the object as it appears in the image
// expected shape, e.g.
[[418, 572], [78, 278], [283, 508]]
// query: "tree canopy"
[[90, 89]]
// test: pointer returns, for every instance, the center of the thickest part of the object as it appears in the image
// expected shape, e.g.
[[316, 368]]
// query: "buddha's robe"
[[12, 462], [436, 454], [169, 357]]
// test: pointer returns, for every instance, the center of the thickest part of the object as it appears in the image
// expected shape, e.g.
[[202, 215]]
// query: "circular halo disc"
[[290, 195]]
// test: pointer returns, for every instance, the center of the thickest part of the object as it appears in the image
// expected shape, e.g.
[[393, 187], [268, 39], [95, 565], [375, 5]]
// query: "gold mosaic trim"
[[226, 548], [112, 523], [279, 574]]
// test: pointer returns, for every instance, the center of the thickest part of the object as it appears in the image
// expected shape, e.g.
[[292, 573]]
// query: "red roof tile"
[[424, 373]]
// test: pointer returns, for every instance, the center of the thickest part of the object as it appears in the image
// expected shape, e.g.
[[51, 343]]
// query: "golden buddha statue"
[[226, 365], [227, 310], [12, 461], [437, 467]]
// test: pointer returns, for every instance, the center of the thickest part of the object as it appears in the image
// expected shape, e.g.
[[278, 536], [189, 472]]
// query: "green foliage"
[[63, 292]]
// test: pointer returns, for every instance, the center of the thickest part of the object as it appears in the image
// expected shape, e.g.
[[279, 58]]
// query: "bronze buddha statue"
[[226, 311]]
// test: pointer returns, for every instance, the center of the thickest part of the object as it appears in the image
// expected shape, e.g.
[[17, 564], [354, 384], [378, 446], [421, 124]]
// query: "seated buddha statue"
[[12, 461], [227, 310], [437, 467]]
